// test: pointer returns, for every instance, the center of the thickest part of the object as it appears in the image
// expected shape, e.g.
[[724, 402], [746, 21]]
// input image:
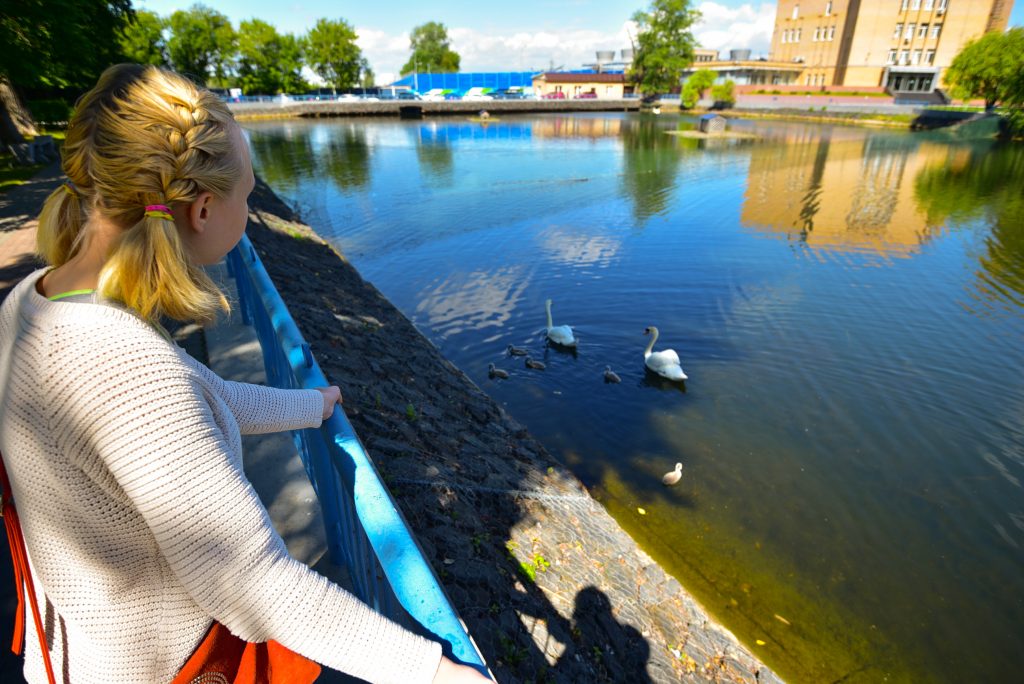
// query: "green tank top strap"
[[69, 293]]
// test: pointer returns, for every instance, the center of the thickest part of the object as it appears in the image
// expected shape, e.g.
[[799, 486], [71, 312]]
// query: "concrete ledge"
[[245, 110]]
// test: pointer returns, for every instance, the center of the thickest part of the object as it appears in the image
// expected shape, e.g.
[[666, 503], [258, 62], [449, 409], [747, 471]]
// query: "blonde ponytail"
[[149, 272], [142, 136], [59, 234]]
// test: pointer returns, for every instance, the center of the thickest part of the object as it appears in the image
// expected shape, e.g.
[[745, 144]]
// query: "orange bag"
[[223, 658]]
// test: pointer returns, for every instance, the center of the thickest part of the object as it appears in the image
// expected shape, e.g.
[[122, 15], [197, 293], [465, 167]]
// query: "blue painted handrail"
[[366, 532]]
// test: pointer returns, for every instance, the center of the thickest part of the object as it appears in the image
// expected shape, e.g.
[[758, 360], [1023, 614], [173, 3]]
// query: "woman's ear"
[[199, 211]]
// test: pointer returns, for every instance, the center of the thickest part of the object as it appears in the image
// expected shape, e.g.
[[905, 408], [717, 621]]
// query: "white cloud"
[[746, 26], [721, 28]]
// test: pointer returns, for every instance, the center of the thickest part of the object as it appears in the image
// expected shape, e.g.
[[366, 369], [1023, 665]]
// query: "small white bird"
[[673, 477], [494, 372], [536, 365], [517, 351], [665, 362], [560, 334], [610, 375]]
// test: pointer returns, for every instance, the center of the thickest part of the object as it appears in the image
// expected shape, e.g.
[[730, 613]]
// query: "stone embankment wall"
[[245, 110], [549, 585]]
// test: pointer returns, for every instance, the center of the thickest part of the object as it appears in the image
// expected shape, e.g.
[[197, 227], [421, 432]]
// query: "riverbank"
[[549, 585], [255, 111]]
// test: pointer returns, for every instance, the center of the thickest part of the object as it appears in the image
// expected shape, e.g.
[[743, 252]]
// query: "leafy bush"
[[723, 95], [688, 98]]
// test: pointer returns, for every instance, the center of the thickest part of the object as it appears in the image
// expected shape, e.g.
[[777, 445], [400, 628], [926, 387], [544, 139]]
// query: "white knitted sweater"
[[125, 459]]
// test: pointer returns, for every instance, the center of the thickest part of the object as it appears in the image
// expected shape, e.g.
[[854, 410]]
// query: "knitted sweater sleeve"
[[138, 409], [258, 409]]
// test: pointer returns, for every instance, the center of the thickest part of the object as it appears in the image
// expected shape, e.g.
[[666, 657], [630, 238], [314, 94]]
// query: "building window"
[[915, 4], [828, 8], [917, 57], [796, 11], [798, 32], [831, 32], [909, 31], [926, 83], [892, 57], [899, 30], [814, 38], [929, 57], [942, 5], [928, 4], [922, 31], [904, 56], [936, 30], [905, 4]]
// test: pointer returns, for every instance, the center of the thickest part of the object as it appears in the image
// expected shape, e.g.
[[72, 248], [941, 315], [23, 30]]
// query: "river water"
[[849, 307]]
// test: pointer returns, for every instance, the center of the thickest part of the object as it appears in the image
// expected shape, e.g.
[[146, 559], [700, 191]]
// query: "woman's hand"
[[332, 396], [449, 672]]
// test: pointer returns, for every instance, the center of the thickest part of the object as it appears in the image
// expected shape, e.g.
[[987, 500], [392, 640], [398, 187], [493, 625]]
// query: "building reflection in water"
[[841, 194]]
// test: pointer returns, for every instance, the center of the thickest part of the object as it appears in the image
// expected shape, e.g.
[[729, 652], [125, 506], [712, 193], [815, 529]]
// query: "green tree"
[[202, 44], [991, 68], [431, 50], [366, 76], [142, 40], [268, 62], [663, 46], [701, 80], [333, 54], [723, 94], [49, 45]]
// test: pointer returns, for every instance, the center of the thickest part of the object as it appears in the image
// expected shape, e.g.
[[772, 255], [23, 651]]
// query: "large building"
[[902, 45]]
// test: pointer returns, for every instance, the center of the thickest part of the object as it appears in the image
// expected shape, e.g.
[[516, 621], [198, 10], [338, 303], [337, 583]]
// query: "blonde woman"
[[123, 453]]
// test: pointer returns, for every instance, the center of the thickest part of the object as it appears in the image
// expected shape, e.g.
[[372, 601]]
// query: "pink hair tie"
[[159, 211]]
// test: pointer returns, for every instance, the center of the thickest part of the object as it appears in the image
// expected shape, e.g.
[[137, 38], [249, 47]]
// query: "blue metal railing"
[[366, 533]]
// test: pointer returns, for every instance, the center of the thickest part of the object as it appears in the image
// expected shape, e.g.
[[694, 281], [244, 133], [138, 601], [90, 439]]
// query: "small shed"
[[712, 123]]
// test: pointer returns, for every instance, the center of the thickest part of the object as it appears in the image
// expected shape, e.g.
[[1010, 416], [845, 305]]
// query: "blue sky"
[[524, 35]]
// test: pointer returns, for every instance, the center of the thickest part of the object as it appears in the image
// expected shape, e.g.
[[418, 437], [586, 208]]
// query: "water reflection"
[[283, 156], [345, 157], [579, 246], [841, 195], [983, 182], [650, 160], [434, 154], [475, 300]]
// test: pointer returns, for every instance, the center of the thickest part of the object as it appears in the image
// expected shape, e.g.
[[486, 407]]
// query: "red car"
[[555, 96]]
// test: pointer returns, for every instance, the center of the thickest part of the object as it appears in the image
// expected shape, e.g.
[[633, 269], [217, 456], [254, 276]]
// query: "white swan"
[[665, 362], [673, 477], [561, 334]]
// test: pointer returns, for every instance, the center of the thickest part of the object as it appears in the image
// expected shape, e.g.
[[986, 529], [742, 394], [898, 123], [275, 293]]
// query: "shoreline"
[[550, 586]]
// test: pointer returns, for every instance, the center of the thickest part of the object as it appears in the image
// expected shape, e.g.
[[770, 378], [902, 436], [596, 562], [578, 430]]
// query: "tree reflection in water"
[[985, 184], [650, 163], [346, 156]]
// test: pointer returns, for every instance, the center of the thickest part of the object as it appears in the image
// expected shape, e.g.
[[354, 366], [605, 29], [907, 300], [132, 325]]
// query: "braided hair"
[[143, 136]]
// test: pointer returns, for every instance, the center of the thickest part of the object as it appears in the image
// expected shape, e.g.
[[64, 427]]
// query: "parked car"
[[434, 94], [554, 96], [587, 96], [409, 95], [515, 95]]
